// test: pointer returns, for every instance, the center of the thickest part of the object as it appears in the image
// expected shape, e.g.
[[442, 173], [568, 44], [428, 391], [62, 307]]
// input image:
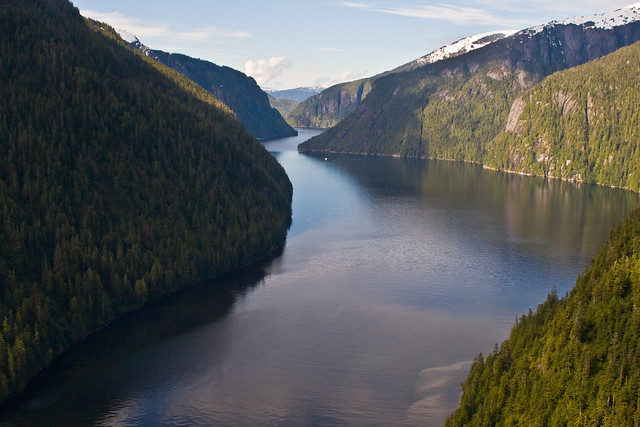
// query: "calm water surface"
[[396, 273]]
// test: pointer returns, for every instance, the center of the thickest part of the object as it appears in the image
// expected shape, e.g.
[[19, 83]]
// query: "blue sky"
[[291, 43]]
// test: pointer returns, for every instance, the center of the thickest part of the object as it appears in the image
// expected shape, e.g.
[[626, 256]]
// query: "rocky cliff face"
[[327, 108], [558, 46], [238, 91]]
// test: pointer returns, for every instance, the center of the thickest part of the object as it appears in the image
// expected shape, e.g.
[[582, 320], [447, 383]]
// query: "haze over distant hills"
[[287, 100], [298, 94]]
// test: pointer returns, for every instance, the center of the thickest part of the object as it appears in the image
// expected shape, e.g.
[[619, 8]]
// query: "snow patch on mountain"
[[464, 45], [605, 21], [133, 41], [127, 36]]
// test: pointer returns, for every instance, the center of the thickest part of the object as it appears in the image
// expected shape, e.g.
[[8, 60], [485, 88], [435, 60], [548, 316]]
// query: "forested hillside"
[[576, 360], [581, 124], [117, 185], [330, 106], [235, 89], [284, 106]]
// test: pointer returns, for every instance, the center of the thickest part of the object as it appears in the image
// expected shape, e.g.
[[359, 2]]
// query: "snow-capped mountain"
[[561, 44], [459, 47], [126, 36], [464, 74], [298, 94], [464, 45], [537, 51], [604, 21]]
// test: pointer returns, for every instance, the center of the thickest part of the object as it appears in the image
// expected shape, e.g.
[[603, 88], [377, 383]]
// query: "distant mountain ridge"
[[235, 89], [454, 108], [297, 94], [285, 101]]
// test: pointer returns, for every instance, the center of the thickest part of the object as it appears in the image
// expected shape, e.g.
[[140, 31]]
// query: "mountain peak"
[[464, 45], [459, 47]]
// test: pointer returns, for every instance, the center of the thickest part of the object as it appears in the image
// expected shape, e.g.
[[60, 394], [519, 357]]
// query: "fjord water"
[[396, 273]]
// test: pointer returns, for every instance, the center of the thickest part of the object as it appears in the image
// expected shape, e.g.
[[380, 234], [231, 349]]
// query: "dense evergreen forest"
[[235, 89], [580, 124], [327, 108], [333, 104], [119, 183], [283, 105], [426, 115], [576, 360]]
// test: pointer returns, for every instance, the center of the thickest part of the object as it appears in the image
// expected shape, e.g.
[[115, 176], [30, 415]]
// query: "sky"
[[285, 44]]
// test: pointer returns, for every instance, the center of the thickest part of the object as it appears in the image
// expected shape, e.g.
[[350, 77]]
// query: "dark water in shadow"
[[395, 275]]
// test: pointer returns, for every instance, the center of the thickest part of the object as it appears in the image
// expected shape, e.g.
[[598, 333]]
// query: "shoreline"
[[484, 166]]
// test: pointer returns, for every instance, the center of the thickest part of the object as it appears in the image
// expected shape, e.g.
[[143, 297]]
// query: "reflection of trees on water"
[[548, 215], [107, 358]]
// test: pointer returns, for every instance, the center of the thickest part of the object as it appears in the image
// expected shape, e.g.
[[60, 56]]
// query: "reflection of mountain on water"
[[544, 215]]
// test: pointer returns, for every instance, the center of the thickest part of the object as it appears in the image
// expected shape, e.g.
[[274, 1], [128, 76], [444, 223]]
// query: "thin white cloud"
[[144, 29], [354, 5], [566, 6], [510, 13], [267, 70], [458, 15], [351, 75], [487, 12]]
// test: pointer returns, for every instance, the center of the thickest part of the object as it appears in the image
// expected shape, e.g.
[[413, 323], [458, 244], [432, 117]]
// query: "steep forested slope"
[[576, 360], [238, 92], [581, 124], [117, 186], [283, 105], [330, 106]]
